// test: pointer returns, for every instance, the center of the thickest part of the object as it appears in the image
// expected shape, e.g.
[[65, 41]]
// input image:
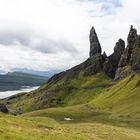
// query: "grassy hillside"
[[123, 97], [15, 80], [100, 109], [78, 91], [98, 91]]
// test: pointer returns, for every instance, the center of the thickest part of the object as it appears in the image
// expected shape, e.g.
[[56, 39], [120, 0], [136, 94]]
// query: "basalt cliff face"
[[118, 65], [130, 59], [112, 61]]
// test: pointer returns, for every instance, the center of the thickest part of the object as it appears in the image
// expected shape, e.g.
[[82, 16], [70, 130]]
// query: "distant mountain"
[[2, 72], [17, 80], [48, 73]]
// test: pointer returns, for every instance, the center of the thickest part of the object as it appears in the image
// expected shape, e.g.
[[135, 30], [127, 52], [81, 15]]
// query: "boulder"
[[3, 108]]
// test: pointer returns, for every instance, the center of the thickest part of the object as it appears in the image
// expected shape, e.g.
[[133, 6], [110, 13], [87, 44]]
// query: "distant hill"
[[17, 80], [48, 73]]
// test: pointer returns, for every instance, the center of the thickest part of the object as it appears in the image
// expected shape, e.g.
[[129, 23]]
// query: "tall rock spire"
[[132, 36], [95, 46], [132, 41]]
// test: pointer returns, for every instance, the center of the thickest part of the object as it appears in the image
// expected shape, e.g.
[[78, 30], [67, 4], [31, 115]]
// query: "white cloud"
[[47, 34]]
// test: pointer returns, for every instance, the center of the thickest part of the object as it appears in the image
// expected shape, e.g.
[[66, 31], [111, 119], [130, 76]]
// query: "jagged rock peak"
[[131, 56], [120, 46], [132, 36], [111, 62], [104, 55], [138, 41], [132, 42], [95, 46]]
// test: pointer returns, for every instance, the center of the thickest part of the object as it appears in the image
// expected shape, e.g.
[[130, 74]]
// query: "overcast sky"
[[54, 34]]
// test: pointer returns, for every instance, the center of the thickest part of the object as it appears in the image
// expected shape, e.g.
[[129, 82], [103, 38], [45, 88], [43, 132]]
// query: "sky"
[[54, 34]]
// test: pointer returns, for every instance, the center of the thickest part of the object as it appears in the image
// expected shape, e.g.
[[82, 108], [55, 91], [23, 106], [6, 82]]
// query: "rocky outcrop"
[[131, 43], [89, 67], [123, 72], [118, 65], [104, 55], [131, 56], [135, 55], [95, 62], [3, 108], [108, 68], [56, 77], [93, 65], [112, 61], [95, 46]]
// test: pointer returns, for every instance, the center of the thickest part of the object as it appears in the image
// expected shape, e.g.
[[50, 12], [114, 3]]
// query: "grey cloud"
[[28, 38], [9, 38], [47, 45]]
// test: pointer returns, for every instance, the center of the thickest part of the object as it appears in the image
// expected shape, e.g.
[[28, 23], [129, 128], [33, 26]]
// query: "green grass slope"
[[123, 97], [78, 91], [120, 97]]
